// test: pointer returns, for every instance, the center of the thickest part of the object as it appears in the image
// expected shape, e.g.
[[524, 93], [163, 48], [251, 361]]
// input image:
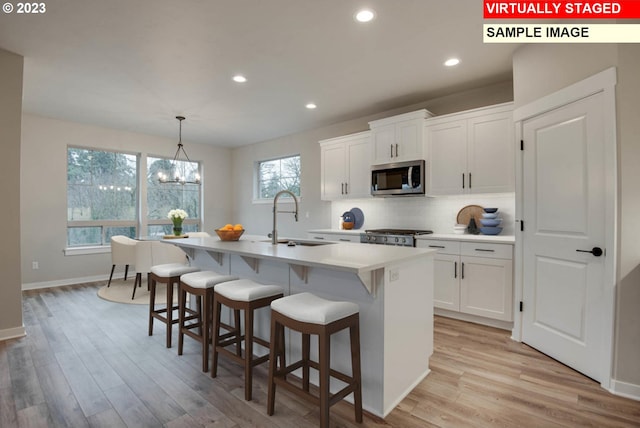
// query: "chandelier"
[[184, 172]]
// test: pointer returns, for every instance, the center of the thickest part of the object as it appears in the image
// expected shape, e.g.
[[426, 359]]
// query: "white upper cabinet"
[[346, 167], [471, 152], [398, 138]]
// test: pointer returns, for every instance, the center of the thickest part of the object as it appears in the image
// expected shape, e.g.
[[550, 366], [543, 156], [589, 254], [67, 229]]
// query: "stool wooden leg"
[[182, 297], [199, 310], [216, 337], [274, 352], [354, 333], [248, 353], [205, 328], [169, 311], [152, 303], [236, 316], [323, 368], [306, 344]]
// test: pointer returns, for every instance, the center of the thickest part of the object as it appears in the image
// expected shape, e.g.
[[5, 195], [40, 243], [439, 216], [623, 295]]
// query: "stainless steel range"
[[401, 237]]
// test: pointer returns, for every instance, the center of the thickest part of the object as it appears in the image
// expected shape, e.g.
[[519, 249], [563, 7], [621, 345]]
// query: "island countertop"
[[343, 256]]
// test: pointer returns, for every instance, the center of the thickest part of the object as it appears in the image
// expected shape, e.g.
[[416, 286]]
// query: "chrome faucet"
[[274, 233]]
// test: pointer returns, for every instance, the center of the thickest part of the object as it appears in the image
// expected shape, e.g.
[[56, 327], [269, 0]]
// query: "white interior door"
[[564, 214]]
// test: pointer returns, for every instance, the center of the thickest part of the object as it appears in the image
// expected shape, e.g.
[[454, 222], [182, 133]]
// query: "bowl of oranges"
[[230, 232]]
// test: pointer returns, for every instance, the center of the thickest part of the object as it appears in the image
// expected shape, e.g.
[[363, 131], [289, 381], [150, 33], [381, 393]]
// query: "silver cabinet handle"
[[462, 271], [436, 246], [344, 240], [318, 237], [486, 250], [396, 149], [463, 180], [346, 188], [469, 180], [455, 269], [391, 146]]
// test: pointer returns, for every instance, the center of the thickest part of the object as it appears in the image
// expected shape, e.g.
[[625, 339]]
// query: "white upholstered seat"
[[205, 279], [246, 290], [309, 308]]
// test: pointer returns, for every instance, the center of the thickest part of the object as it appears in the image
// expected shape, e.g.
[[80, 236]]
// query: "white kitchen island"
[[393, 287]]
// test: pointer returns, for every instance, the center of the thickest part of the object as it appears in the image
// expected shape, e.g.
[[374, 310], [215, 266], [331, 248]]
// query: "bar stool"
[[242, 295], [200, 285], [310, 314], [167, 274]]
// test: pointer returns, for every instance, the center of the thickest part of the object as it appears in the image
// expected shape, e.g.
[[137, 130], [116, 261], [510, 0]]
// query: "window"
[[278, 174], [164, 197], [102, 196]]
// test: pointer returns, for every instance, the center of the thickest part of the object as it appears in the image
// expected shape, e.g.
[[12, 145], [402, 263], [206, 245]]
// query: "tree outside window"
[[278, 174], [101, 195]]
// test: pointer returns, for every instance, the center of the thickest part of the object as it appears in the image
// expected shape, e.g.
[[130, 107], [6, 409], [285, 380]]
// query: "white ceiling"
[[136, 64]]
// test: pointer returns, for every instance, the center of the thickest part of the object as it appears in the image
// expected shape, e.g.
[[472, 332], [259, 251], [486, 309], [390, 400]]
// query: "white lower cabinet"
[[473, 278]]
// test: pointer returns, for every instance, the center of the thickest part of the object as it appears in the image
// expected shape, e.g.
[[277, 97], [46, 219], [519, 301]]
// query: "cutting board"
[[465, 214]]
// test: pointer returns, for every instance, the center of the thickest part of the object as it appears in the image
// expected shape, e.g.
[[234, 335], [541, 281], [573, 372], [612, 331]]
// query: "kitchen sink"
[[298, 242]]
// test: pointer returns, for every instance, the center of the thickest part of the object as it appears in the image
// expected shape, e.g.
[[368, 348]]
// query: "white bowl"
[[460, 226], [459, 231]]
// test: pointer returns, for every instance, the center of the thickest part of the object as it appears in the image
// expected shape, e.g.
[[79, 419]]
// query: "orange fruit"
[[237, 227], [228, 226]]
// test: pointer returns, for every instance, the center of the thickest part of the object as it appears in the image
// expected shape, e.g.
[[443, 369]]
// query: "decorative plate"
[[465, 214], [359, 217]]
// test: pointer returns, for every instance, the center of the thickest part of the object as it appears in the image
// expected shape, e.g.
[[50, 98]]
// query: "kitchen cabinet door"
[[491, 153], [446, 284], [358, 173], [486, 287], [447, 158], [334, 164]]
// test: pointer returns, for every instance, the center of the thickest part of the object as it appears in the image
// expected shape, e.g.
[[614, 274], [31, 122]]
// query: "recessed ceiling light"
[[311, 106], [451, 62], [238, 78], [365, 15]]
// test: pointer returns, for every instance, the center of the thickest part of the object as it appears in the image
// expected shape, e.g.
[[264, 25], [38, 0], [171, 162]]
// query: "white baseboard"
[[70, 281], [503, 325], [624, 389], [12, 333]]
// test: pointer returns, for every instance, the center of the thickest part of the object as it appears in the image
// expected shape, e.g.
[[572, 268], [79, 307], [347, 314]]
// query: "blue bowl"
[[491, 222], [489, 215], [490, 230], [490, 210]]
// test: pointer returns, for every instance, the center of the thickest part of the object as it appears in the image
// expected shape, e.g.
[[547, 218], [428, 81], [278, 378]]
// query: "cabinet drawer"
[[481, 249], [334, 237], [443, 247]]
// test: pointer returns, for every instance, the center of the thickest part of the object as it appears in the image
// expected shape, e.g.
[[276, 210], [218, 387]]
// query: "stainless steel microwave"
[[398, 179]]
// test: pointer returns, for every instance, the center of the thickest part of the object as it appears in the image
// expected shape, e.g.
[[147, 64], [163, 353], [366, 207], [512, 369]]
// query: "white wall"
[[43, 193], [11, 66]]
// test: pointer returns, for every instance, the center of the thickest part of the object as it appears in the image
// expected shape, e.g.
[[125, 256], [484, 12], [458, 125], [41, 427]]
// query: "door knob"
[[596, 251]]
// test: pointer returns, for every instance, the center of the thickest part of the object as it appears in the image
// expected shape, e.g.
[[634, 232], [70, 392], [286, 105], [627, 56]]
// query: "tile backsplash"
[[432, 213]]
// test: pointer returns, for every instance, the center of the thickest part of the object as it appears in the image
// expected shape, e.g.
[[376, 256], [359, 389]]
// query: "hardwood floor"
[[89, 362]]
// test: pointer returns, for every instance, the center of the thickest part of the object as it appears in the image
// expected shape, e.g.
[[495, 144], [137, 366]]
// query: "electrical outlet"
[[35, 265], [394, 275]]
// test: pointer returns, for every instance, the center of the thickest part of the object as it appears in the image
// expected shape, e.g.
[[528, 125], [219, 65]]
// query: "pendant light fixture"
[[183, 171]]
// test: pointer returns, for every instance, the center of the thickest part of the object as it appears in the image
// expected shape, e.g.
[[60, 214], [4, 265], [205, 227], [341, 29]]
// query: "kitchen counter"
[[392, 286], [347, 257], [338, 231]]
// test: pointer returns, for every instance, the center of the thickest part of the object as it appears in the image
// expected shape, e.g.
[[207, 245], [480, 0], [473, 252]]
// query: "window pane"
[[101, 185], [77, 236], [278, 174], [164, 197], [129, 231]]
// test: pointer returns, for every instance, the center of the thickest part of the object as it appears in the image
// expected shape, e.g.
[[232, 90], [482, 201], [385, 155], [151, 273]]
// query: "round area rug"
[[120, 292]]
